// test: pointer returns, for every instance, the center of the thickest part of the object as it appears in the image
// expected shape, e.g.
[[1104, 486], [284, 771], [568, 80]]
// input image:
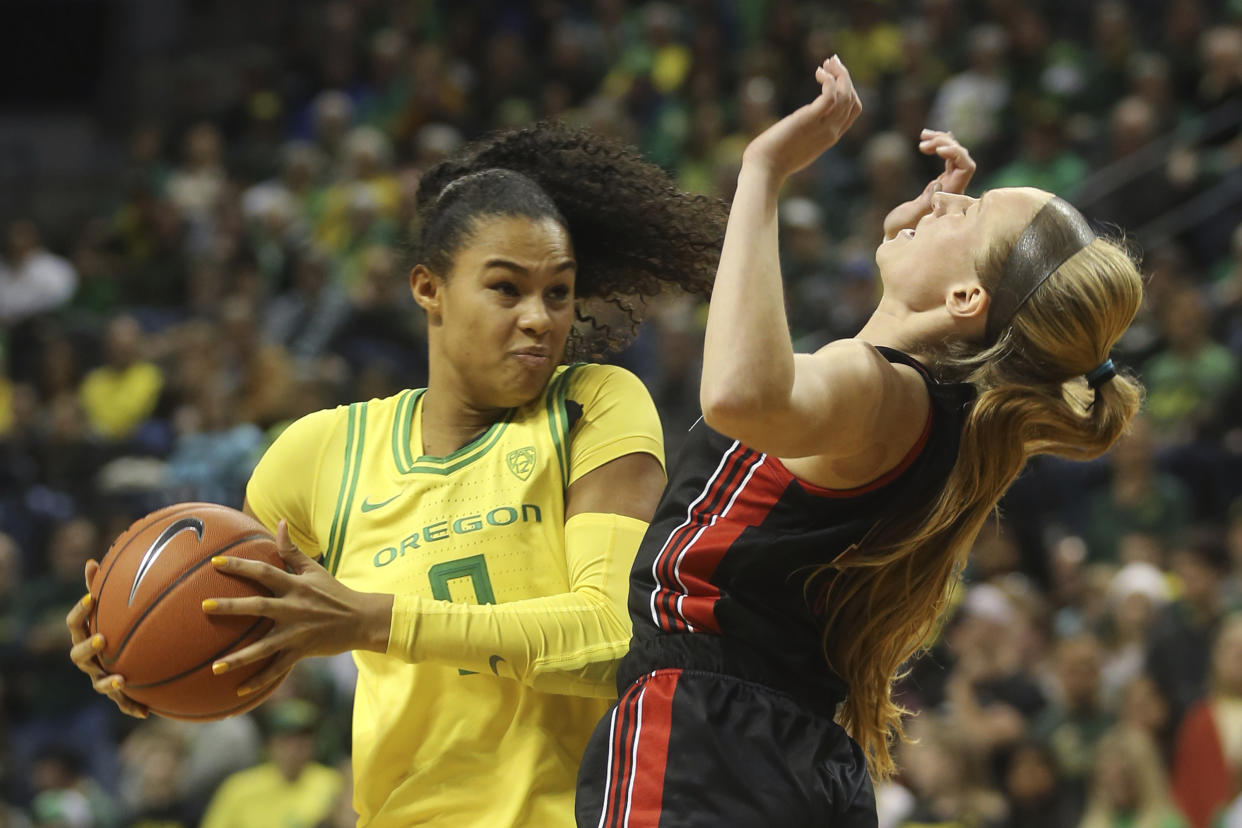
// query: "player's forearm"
[[569, 643], [747, 352], [566, 643]]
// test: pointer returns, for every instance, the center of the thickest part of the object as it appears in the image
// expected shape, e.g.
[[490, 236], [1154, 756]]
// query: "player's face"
[[503, 314], [919, 265]]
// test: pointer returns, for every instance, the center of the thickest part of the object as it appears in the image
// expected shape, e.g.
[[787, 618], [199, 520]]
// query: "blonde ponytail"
[[886, 594]]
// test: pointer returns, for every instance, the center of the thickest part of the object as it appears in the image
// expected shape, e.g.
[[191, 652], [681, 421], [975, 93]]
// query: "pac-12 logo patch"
[[521, 461]]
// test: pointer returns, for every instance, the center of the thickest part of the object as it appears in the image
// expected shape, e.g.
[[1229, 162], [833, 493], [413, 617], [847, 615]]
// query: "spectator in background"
[[261, 372], [290, 788], [1207, 767], [972, 104], [990, 696], [64, 796], [118, 395], [305, 318], [33, 280], [1075, 719], [947, 779], [214, 452], [1144, 708], [152, 758], [1145, 191], [1135, 594], [196, 185], [53, 705], [1187, 382], [1129, 788], [1179, 647], [1035, 792], [1045, 161], [1139, 497]]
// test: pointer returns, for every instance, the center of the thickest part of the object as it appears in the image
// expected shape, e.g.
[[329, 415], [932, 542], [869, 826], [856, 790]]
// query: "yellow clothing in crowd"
[[116, 401]]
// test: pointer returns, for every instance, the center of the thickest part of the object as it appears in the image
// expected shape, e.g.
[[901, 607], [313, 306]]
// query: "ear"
[[427, 289], [968, 300], [968, 303]]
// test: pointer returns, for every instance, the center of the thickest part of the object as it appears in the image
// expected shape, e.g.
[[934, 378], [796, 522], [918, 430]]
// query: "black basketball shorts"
[[691, 749]]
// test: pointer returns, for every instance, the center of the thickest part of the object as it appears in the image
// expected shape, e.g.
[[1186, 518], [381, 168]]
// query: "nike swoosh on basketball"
[[156, 549], [368, 506]]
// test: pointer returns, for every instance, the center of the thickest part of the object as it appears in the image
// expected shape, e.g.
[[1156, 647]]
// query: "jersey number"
[[474, 568]]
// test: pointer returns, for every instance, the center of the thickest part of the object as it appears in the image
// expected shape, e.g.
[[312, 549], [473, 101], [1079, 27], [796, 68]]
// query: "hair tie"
[[1101, 374]]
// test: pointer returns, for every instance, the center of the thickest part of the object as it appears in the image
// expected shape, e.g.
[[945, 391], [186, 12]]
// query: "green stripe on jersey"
[[349, 483], [402, 421], [465, 455]]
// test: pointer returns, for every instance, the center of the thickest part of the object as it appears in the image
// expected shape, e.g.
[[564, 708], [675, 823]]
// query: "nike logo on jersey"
[[156, 549], [493, 661], [368, 506]]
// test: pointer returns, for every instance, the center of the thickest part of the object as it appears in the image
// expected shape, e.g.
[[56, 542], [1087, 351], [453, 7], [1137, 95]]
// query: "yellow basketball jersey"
[[436, 743]]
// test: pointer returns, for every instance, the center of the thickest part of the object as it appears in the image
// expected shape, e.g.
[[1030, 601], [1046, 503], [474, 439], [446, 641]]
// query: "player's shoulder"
[[345, 421], [587, 380]]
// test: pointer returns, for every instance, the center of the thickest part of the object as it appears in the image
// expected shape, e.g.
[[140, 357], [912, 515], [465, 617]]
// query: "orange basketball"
[[148, 596]]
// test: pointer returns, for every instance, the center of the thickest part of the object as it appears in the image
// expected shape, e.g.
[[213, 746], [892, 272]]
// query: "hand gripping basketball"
[[313, 614]]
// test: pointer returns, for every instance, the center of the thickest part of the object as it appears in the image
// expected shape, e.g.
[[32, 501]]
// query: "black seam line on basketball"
[[223, 651], [134, 628], [112, 565], [219, 714]]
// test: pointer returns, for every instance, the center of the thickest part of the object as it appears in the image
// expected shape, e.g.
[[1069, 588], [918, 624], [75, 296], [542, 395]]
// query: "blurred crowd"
[[251, 268]]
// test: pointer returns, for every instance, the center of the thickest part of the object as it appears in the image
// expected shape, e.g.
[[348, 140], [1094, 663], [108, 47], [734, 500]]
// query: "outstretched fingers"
[[959, 167]]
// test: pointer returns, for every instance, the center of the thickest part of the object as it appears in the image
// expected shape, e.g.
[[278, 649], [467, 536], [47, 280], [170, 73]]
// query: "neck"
[[450, 419], [894, 325]]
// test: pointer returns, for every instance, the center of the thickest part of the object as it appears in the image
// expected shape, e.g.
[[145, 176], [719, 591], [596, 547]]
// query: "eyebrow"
[[567, 264]]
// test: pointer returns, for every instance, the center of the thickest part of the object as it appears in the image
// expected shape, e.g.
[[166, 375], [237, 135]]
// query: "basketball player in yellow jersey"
[[484, 525], [475, 538]]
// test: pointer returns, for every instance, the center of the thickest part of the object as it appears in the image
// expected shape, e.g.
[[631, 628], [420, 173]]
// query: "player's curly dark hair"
[[634, 233]]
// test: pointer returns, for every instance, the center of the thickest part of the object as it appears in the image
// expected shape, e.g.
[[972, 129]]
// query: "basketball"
[[148, 596]]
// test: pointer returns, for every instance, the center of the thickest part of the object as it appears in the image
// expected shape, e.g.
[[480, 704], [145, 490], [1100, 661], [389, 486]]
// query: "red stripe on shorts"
[[645, 794]]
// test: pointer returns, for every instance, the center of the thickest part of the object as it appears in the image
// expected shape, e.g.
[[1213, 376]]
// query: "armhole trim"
[[558, 418]]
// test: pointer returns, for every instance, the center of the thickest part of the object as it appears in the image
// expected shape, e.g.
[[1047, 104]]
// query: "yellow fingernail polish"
[[218, 560], [211, 604], [97, 642], [243, 691], [86, 600], [116, 684], [220, 667]]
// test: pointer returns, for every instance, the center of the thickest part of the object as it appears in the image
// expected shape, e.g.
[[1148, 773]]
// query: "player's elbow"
[[733, 409], [742, 418]]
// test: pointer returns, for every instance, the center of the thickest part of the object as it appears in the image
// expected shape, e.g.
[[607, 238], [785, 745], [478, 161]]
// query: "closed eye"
[[505, 288]]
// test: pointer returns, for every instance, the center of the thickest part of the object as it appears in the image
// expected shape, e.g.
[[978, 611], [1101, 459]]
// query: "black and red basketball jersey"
[[720, 581]]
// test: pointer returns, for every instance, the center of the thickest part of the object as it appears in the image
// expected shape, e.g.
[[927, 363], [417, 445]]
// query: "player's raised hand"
[[959, 168], [800, 137]]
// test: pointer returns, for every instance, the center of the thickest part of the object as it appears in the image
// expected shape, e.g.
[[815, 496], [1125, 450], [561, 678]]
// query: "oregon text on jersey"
[[444, 529]]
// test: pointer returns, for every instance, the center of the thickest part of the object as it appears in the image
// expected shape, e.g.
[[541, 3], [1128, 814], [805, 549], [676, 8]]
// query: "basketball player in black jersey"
[[815, 520]]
